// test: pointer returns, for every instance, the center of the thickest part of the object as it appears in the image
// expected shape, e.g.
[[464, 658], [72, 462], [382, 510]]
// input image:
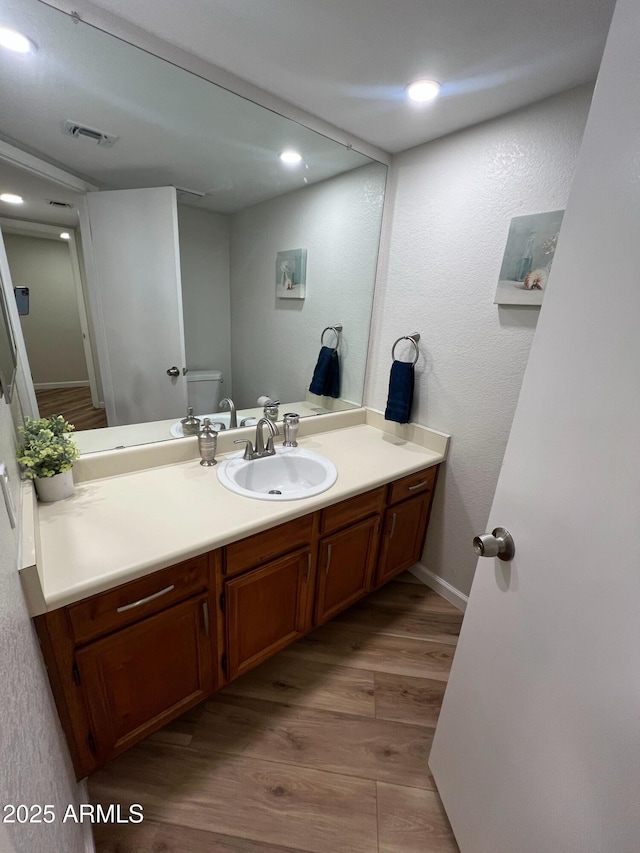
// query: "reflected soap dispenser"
[[207, 444], [190, 425]]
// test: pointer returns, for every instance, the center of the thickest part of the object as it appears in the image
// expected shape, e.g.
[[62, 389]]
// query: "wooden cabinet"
[[345, 567], [405, 523], [137, 679], [266, 609], [124, 662], [403, 535]]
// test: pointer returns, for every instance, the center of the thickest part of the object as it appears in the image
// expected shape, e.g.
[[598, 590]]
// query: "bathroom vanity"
[[133, 655]]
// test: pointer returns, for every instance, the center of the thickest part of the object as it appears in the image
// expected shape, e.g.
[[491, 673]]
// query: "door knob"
[[173, 371], [497, 544]]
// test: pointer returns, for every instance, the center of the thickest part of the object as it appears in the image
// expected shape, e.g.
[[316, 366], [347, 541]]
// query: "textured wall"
[[451, 202], [204, 266], [35, 765], [275, 342], [51, 330]]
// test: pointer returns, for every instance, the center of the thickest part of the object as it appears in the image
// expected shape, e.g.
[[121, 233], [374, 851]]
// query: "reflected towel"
[[326, 376], [400, 397]]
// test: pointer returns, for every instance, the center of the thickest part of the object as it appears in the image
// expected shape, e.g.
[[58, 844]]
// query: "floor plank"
[[408, 700], [410, 597], [337, 743], [313, 685], [335, 644], [438, 627], [154, 837], [412, 821], [74, 403], [266, 802]]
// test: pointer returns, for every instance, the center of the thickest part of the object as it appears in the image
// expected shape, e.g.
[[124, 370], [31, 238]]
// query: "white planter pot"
[[55, 488]]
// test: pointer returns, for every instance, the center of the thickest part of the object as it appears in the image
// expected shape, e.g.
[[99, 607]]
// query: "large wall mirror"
[[192, 264]]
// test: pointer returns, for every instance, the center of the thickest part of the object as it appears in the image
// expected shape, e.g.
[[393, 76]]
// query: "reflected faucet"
[[233, 420]]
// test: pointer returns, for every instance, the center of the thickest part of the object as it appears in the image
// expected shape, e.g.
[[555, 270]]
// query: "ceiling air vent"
[[81, 131], [55, 203]]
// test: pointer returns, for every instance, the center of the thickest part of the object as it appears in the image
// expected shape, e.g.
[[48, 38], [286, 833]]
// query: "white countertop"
[[119, 528]]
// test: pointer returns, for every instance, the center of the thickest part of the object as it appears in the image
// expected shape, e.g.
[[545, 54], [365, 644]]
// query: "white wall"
[[451, 203], [51, 330], [204, 266], [275, 342], [35, 764]]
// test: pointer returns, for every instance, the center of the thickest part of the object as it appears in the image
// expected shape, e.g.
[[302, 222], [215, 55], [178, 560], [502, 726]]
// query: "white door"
[[138, 303], [537, 749]]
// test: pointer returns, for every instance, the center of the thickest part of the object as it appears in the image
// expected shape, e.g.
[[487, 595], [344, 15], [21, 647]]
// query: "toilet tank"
[[203, 390]]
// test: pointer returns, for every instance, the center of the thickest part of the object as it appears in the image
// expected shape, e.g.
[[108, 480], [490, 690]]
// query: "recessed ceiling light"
[[11, 198], [65, 235], [291, 157], [423, 90], [13, 40]]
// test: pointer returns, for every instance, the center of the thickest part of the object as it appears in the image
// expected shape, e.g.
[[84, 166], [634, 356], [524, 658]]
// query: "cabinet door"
[[345, 567], [140, 677], [266, 610], [403, 539]]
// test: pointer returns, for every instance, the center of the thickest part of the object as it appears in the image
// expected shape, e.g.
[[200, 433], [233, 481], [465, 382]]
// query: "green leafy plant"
[[46, 448]]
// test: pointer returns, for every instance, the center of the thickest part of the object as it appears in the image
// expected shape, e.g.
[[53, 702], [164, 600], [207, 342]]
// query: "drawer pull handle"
[[145, 600], [393, 525], [326, 569], [205, 613], [418, 485]]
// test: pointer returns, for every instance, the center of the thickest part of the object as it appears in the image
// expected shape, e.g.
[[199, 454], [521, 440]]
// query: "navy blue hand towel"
[[400, 397], [326, 376]]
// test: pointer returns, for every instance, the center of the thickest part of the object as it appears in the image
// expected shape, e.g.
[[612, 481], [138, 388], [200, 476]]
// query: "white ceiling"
[[347, 61], [344, 61]]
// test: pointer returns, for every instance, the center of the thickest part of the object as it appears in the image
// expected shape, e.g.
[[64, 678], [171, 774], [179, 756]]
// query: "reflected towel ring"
[[414, 340], [336, 330]]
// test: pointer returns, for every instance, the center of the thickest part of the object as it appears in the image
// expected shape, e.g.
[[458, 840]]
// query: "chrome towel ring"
[[336, 330], [414, 340]]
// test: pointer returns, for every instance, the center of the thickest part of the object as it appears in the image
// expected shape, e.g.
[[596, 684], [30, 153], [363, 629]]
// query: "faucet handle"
[[248, 450]]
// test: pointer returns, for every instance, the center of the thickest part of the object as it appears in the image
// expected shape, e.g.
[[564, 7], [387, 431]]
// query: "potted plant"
[[46, 454]]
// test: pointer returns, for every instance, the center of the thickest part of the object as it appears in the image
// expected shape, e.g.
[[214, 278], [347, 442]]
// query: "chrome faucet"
[[260, 451], [233, 420], [273, 429]]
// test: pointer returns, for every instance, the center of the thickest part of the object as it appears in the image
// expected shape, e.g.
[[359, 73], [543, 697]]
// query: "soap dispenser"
[[190, 425], [207, 444]]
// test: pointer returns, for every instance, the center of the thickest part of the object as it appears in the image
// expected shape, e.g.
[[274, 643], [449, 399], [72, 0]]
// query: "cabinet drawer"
[[132, 601], [265, 546], [414, 484], [354, 509]]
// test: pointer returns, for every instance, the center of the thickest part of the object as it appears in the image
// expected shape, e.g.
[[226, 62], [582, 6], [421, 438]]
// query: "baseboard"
[[83, 797], [441, 586], [45, 386]]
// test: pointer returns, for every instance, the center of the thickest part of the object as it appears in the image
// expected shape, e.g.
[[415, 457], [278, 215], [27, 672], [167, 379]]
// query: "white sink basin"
[[291, 474]]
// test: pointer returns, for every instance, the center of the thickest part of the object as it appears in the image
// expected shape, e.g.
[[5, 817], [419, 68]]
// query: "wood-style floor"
[[74, 403], [322, 749]]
